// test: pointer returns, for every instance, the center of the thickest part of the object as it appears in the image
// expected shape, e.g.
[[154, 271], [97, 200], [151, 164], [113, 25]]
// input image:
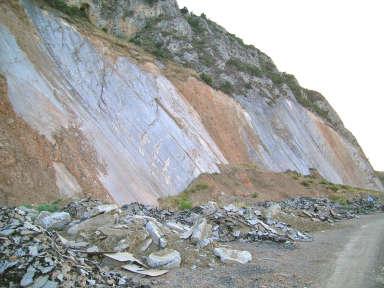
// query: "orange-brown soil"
[[222, 117]]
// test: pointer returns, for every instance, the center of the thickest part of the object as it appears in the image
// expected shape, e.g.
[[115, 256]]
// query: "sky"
[[333, 46]]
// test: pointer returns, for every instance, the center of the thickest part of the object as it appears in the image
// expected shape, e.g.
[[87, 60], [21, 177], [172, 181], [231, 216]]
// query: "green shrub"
[[324, 182], [244, 67], [306, 183], [194, 22], [160, 52], [226, 87], [67, 9], [207, 59], [184, 10], [276, 78], [254, 195], [333, 187], [151, 2], [206, 78]]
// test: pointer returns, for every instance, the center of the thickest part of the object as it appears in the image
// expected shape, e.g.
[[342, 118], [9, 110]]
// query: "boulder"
[[56, 220], [165, 258], [229, 255]]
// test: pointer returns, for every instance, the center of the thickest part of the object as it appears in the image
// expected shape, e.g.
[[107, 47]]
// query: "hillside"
[[132, 101]]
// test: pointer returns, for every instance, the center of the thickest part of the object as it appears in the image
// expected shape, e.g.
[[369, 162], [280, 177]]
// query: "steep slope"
[[147, 138], [121, 125], [287, 136]]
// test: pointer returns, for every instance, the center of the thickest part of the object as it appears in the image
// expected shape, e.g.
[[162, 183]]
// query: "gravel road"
[[361, 261]]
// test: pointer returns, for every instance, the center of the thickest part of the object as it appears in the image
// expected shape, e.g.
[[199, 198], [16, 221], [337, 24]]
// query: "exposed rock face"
[[148, 138], [127, 130]]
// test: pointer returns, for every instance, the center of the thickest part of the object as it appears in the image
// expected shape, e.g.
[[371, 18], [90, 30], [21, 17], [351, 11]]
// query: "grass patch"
[[184, 200], [185, 204], [342, 199], [50, 207]]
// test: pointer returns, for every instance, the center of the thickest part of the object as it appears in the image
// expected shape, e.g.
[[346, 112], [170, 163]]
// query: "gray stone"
[[4, 265], [165, 258], [28, 277], [56, 220], [105, 208], [33, 251], [156, 233], [40, 282], [180, 228], [201, 230], [229, 255], [7, 232]]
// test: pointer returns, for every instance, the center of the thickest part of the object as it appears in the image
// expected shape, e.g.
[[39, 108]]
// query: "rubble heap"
[[93, 244]]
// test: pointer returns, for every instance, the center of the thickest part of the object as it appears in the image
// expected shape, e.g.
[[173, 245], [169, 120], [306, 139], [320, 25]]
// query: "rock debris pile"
[[322, 209], [93, 244]]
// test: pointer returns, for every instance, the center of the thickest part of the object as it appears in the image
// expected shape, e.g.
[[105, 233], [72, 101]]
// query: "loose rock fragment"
[[56, 220], [28, 277], [100, 209], [201, 230], [229, 255], [157, 235], [165, 258]]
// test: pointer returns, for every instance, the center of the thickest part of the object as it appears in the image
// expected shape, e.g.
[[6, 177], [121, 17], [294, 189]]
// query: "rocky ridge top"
[[222, 59]]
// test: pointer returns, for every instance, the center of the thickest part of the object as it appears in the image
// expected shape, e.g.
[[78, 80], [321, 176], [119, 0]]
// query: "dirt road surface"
[[350, 255]]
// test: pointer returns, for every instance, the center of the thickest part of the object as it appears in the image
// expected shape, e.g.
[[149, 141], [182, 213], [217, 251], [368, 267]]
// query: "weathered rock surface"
[[80, 93]]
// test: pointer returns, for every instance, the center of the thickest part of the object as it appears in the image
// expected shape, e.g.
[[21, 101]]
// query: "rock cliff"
[[132, 100]]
